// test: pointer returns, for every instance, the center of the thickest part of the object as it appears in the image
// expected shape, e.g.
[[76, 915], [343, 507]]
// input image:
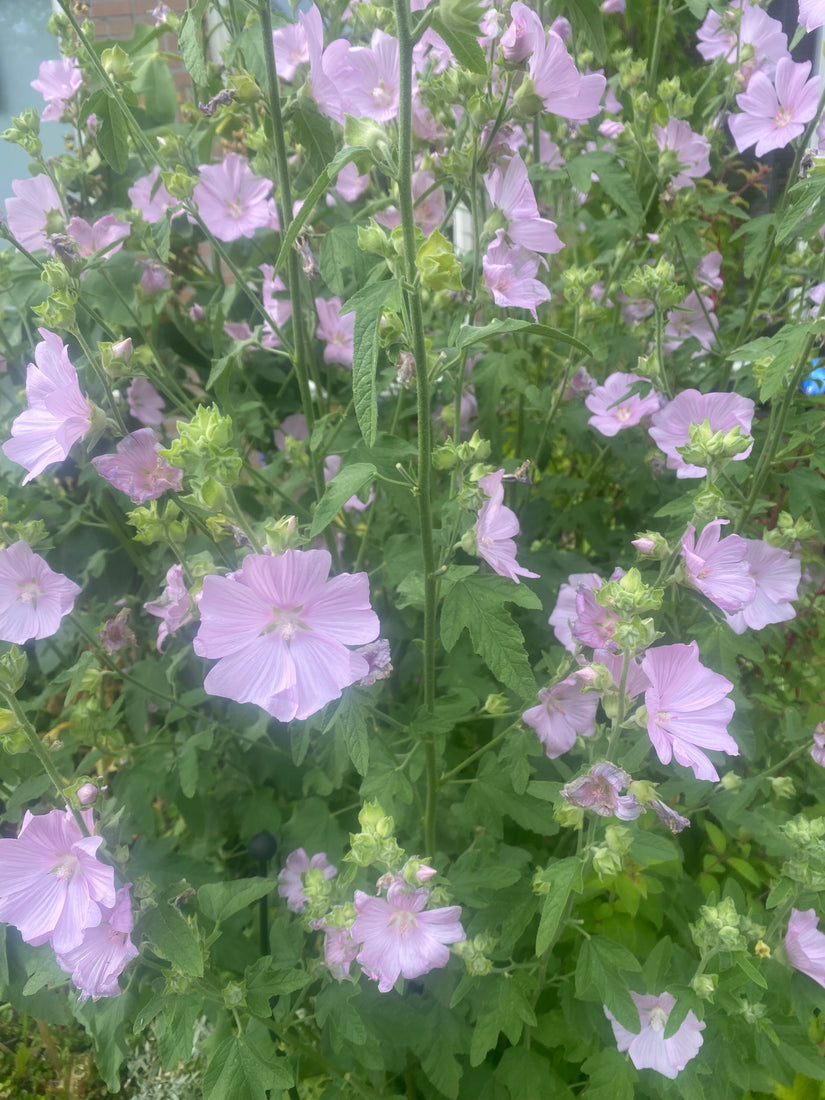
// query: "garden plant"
[[412, 679]]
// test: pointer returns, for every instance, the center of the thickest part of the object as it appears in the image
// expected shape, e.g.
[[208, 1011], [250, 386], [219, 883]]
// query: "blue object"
[[814, 384]]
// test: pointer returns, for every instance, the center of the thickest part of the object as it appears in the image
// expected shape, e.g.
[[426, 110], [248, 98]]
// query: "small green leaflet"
[[782, 349], [345, 484], [563, 877], [170, 936], [190, 40], [221, 900], [369, 303], [471, 334], [242, 1069]]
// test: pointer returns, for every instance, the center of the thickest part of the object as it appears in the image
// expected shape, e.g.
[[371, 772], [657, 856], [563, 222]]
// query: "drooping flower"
[[378, 657], [290, 877], [694, 317], [52, 886], [776, 574], [718, 567], [231, 200], [668, 816], [511, 193], [691, 152], [117, 634], [648, 1048], [174, 607], [773, 114], [494, 530], [155, 277], [137, 469], [280, 630], [686, 708], [594, 625], [34, 212], [520, 38], [57, 82], [340, 951], [400, 939], [106, 236], [598, 790], [559, 84], [145, 403], [336, 331], [805, 944], [510, 275], [105, 951], [33, 598], [564, 712], [723, 412], [58, 413], [563, 617], [150, 197], [278, 309], [615, 407]]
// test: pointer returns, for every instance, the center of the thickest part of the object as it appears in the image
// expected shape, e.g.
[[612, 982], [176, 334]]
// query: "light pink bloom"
[[327, 68], [510, 275], [174, 607], [520, 38], [58, 414], [154, 278], [818, 750], [340, 951], [399, 939], [349, 184], [594, 625], [648, 1048], [805, 944], [689, 319], [52, 886], [614, 407], [708, 270], [106, 236], [370, 85], [280, 630], [150, 197], [598, 790], [686, 708], [723, 411], [773, 115], [231, 200], [613, 7], [291, 879], [561, 86], [137, 469], [692, 149], [776, 575], [278, 309], [428, 211], [291, 50], [565, 711], [495, 527], [34, 212], [718, 567], [336, 331], [145, 403], [564, 616], [105, 952], [33, 598], [512, 194], [743, 25], [57, 82], [811, 14]]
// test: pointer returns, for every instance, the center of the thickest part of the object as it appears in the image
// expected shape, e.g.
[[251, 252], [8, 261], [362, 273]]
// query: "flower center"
[[66, 866], [286, 622], [783, 117], [382, 96], [623, 413], [658, 1018], [403, 921], [28, 592], [235, 209]]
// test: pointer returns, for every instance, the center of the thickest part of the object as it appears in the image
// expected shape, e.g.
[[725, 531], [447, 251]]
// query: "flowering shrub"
[[412, 668]]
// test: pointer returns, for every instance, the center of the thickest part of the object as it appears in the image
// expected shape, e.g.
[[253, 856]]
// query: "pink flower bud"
[[644, 545], [123, 349], [87, 794], [197, 313]]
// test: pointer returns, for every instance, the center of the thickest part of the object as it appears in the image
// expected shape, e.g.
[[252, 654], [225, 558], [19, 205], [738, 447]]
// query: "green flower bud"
[[245, 87], [607, 863], [13, 666], [527, 102], [58, 312], [31, 531], [57, 275], [570, 817], [13, 737], [234, 995], [372, 238], [495, 704], [151, 527], [437, 264], [635, 635], [789, 531], [282, 534], [704, 985], [650, 544], [445, 456], [363, 850], [708, 448], [24, 131], [179, 183], [366, 133], [731, 782], [116, 63], [783, 786], [632, 73], [475, 953]]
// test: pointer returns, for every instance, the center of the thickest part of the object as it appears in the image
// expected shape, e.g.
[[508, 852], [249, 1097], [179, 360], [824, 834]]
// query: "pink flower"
[[137, 469], [145, 403], [510, 276], [811, 14], [231, 200], [719, 36], [805, 944], [614, 406], [35, 212], [154, 277], [692, 150], [280, 630], [818, 750], [106, 950], [599, 789], [773, 115], [52, 886], [565, 711], [686, 708], [495, 527], [349, 184], [428, 211], [564, 615], [594, 625], [717, 567], [150, 197], [776, 574], [398, 939], [521, 37], [558, 82], [336, 331], [58, 414], [33, 598], [512, 194], [340, 951], [690, 319], [106, 236], [648, 1048], [370, 85], [723, 412], [708, 270], [279, 310], [57, 82], [290, 46], [174, 607], [291, 877]]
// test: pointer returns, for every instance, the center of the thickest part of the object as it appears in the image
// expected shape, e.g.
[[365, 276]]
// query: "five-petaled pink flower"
[[105, 951], [58, 413], [718, 567], [57, 82], [616, 404], [52, 885], [648, 1048], [33, 598], [805, 944], [137, 469], [231, 200], [511, 193], [598, 790], [174, 606], [510, 275], [290, 877], [565, 711], [692, 152], [686, 708], [774, 114], [398, 938], [35, 212], [280, 630], [723, 411], [495, 528], [150, 197], [776, 574]]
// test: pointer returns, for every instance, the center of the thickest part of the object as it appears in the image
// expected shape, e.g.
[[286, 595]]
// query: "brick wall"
[[115, 19]]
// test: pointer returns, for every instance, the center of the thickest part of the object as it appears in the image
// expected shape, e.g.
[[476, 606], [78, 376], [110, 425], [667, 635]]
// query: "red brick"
[[100, 9]]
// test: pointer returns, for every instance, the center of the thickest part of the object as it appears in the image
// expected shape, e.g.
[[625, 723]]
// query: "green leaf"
[[313, 131], [476, 604], [465, 47], [241, 1069], [749, 967], [472, 334], [219, 367], [112, 135], [588, 18], [564, 877], [220, 900], [158, 87], [615, 179], [757, 233], [190, 40], [170, 936], [368, 305], [783, 347], [339, 489], [610, 1076], [806, 212], [600, 976], [349, 720], [509, 1011], [161, 233]]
